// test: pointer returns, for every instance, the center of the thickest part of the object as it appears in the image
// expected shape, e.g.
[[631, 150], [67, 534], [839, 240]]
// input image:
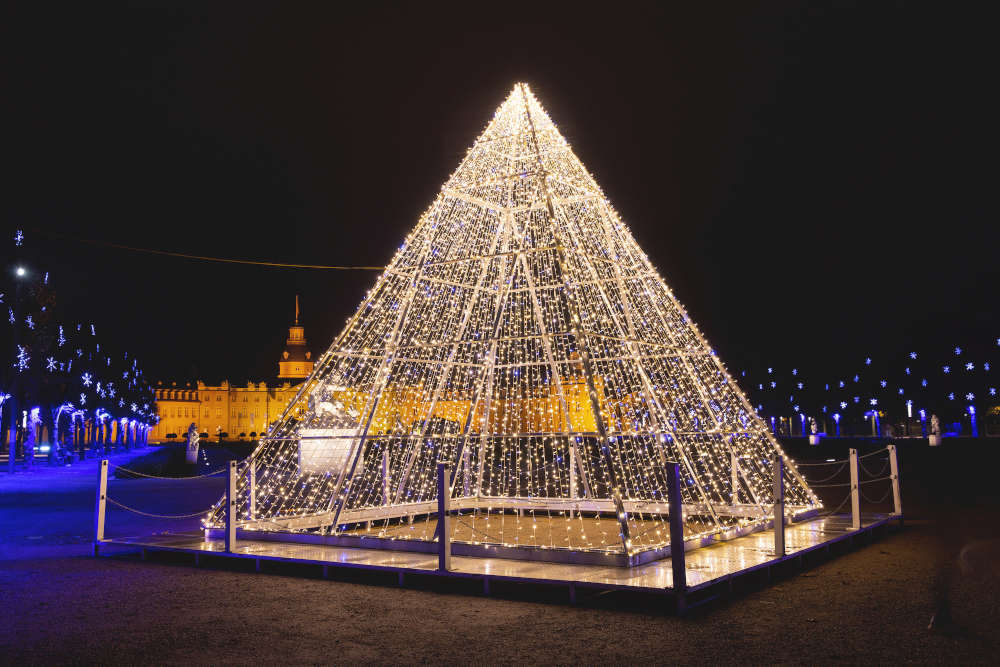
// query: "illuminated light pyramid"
[[520, 335]]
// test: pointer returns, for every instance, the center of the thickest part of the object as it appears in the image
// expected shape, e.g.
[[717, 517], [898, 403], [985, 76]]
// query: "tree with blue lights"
[[60, 375]]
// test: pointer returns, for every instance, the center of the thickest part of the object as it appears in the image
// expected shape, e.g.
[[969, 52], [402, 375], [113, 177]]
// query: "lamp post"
[[20, 273]]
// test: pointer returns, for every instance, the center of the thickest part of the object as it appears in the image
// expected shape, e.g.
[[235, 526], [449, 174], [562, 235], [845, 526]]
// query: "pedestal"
[[934, 440], [814, 439]]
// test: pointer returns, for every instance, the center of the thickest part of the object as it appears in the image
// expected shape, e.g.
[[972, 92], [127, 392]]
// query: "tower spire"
[[296, 309]]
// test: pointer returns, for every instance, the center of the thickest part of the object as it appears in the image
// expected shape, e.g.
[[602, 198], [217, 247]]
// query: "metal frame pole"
[[779, 507], [444, 518], [676, 516], [101, 505], [855, 492], [385, 475], [897, 503], [734, 462], [252, 489], [231, 507]]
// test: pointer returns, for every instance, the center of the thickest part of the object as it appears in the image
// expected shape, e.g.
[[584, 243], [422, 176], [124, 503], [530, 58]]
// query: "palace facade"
[[241, 411]]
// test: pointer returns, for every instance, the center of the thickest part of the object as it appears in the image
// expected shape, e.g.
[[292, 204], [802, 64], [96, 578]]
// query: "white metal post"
[[100, 507], [897, 503], [676, 517], [444, 520], [251, 489], [855, 492], [231, 507], [779, 507]]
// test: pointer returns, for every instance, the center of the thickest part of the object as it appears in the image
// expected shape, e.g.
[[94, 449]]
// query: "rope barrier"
[[872, 481], [877, 451], [822, 463], [827, 479], [156, 516], [839, 507], [880, 500], [875, 474], [140, 474]]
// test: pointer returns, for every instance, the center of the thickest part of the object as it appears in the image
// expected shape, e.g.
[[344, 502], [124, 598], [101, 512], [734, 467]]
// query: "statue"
[[812, 426], [935, 425], [192, 444]]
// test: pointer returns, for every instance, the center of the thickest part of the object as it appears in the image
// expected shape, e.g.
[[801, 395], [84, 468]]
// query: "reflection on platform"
[[703, 566]]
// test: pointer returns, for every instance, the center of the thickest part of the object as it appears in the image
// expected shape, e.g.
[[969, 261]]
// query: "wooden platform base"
[[710, 570]]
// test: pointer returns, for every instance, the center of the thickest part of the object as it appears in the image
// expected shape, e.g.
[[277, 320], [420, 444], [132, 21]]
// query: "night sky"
[[815, 184]]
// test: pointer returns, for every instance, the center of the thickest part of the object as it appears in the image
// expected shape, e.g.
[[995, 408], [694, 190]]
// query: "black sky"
[[815, 182]]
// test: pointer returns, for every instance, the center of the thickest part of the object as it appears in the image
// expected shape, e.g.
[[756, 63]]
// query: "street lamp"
[[15, 398]]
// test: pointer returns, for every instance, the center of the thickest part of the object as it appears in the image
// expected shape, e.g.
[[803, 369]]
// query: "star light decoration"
[[520, 334]]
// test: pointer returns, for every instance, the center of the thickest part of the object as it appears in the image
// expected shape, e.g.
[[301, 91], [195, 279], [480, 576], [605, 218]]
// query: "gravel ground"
[[873, 604]]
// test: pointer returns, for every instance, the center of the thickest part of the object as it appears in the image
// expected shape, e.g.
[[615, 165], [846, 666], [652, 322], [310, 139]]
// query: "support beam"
[[101, 505], [779, 507], [622, 516], [251, 489], [734, 464], [231, 507]]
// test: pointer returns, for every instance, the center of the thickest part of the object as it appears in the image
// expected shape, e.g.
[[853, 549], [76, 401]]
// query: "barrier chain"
[[157, 516], [140, 474]]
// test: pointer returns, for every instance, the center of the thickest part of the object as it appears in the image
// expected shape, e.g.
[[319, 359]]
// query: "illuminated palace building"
[[240, 411]]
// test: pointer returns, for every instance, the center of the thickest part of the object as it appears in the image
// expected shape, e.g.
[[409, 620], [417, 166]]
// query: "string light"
[[521, 335]]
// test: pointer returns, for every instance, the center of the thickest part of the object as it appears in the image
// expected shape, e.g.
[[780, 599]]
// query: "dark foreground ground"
[[871, 605]]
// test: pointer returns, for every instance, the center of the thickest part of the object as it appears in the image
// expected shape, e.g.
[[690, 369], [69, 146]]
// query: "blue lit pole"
[[972, 418]]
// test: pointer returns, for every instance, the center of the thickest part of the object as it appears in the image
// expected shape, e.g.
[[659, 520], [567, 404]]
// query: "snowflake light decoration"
[[23, 359]]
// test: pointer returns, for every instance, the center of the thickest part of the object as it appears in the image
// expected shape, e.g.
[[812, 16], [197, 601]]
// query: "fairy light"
[[520, 334]]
